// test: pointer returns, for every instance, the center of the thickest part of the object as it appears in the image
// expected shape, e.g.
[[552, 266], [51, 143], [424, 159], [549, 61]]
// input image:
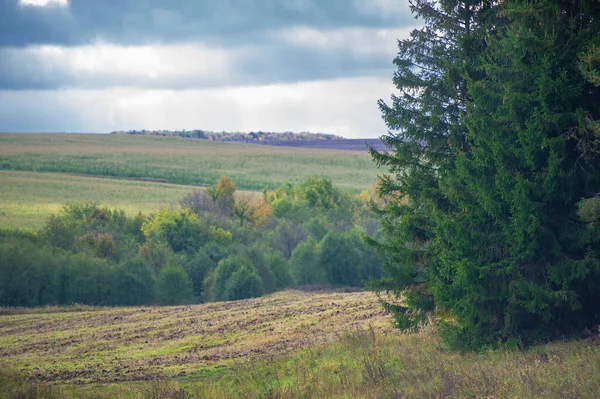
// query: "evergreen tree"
[[522, 265], [485, 227], [434, 67]]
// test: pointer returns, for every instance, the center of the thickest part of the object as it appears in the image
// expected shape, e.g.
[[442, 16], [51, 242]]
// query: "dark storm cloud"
[[218, 22]]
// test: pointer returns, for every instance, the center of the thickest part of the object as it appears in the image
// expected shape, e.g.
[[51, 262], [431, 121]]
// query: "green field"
[[288, 345], [28, 198], [41, 172], [182, 161]]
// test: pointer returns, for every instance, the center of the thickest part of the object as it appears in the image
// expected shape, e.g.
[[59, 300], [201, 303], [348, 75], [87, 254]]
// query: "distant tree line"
[[216, 246], [233, 136]]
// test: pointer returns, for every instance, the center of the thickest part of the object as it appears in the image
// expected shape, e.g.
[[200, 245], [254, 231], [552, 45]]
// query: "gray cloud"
[[223, 22], [288, 56], [99, 65]]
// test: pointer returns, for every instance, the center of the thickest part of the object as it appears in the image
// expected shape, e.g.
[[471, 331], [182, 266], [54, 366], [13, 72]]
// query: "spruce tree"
[[425, 120], [490, 228], [518, 262]]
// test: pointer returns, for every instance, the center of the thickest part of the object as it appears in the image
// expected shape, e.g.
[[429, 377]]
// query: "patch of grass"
[[7, 310], [182, 161], [27, 199], [368, 363]]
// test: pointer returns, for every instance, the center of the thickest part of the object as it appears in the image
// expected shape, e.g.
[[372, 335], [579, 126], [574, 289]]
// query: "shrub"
[[224, 271], [174, 287], [134, 283], [305, 265], [243, 283]]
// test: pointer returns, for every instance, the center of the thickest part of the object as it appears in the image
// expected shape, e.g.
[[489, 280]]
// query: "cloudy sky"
[[235, 65]]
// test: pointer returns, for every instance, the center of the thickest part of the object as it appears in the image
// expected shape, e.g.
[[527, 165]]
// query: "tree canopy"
[[493, 155]]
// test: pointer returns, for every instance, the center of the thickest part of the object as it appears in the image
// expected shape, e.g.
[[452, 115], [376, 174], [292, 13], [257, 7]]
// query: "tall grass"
[[365, 364]]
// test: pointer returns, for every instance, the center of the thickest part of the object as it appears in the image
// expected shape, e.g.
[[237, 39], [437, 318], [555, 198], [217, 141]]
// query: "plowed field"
[[130, 344]]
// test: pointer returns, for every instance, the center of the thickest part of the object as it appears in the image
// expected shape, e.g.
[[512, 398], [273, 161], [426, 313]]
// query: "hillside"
[[39, 173], [289, 345], [27, 199], [129, 344]]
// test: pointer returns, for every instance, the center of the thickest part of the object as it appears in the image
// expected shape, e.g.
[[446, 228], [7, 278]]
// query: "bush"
[[134, 283], [243, 283], [341, 260], [197, 269], [305, 265], [174, 287], [225, 269]]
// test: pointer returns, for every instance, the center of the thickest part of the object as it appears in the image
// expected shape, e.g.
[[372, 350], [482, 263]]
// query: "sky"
[[94, 66]]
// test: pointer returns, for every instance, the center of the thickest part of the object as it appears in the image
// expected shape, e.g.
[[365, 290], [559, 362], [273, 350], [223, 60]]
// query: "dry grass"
[[295, 359], [291, 345]]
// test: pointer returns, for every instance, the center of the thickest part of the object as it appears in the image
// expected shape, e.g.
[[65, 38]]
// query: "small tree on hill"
[[305, 263]]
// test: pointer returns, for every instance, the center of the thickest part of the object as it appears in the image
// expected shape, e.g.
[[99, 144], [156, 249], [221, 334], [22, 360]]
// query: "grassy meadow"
[[27, 199], [182, 161], [291, 344], [288, 345]]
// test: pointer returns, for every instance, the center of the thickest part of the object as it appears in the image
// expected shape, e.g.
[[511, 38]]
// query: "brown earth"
[[130, 344]]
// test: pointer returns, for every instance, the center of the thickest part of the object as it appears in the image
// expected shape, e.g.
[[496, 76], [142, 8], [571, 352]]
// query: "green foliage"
[[287, 235], [198, 268], [492, 154], [314, 193], [317, 227], [180, 229], [84, 280], [281, 271], [305, 263], [133, 283], [223, 272], [259, 258], [100, 256], [243, 283], [319, 193], [341, 260], [99, 231], [156, 254], [25, 274], [174, 287]]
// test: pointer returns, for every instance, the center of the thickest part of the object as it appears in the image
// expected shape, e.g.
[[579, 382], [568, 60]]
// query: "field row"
[[183, 161], [289, 345], [129, 344]]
